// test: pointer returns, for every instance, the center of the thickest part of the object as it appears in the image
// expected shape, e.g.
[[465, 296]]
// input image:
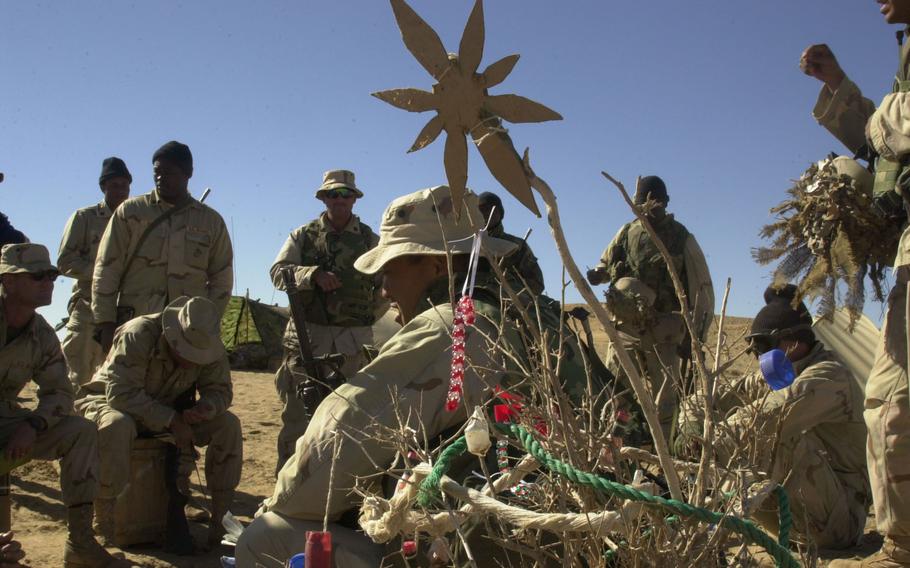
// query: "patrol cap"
[[337, 179], [192, 327], [421, 223], [25, 258]]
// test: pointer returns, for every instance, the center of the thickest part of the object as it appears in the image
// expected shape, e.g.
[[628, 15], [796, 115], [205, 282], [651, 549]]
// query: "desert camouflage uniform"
[[819, 454], [188, 255], [76, 259], [338, 322], [35, 355], [410, 375], [658, 342], [848, 116], [520, 266], [134, 392]]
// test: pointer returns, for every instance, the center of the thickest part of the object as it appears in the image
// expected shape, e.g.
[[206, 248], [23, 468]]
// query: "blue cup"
[[297, 561], [776, 369]]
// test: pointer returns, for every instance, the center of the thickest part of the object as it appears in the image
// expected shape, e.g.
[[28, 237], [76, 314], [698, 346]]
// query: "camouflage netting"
[[252, 332], [827, 233]]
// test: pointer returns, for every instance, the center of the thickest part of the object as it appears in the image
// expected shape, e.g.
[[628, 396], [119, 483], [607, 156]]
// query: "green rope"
[[429, 491]]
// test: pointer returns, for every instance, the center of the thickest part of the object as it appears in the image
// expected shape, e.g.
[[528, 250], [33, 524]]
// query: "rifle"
[[309, 389]]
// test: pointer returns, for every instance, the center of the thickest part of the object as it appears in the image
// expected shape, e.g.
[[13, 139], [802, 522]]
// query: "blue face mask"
[[776, 369]]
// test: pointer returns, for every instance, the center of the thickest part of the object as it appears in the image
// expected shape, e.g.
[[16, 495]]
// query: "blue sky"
[[268, 95]]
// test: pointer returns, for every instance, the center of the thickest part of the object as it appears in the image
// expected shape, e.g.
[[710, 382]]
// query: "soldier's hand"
[[10, 551], [106, 336], [21, 442], [818, 61], [199, 413], [183, 434], [327, 281], [595, 276]]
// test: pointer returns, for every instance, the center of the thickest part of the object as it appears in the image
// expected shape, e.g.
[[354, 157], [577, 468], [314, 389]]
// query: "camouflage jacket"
[[521, 266], [33, 355], [407, 381], [79, 248], [318, 246], [190, 254], [141, 379], [825, 399]]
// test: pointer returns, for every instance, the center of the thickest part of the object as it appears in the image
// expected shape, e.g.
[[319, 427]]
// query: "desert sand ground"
[[39, 516]]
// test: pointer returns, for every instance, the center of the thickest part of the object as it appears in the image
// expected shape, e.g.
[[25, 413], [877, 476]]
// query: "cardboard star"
[[463, 106]]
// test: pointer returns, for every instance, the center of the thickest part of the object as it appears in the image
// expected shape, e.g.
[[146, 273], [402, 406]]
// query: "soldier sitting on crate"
[[147, 385], [29, 350]]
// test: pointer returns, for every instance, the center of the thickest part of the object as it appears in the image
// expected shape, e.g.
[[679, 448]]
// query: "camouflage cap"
[[25, 257], [337, 179], [192, 328], [421, 223]]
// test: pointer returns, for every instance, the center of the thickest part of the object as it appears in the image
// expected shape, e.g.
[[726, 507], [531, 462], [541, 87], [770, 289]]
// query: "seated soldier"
[[410, 374], [147, 386], [30, 350], [816, 426]]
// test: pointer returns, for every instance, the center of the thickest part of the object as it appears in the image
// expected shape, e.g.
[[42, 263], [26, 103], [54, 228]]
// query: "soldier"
[[147, 386], [521, 266], [643, 298], [408, 380], [9, 235], [340, 303], [880, 134], [29, 349], [76, 259], [158, 247], [816, 421]]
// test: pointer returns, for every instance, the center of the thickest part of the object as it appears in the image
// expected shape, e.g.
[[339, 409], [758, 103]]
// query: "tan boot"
[[104, 525], [81, 549], [221, 504], [892, 555]]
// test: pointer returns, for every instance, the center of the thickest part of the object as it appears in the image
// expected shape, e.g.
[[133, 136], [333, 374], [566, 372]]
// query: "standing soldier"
[[30, 350], [880, 134], [158, 247], [521, 266], [76, 259], [643, 298], [148, 385], [340, 304]]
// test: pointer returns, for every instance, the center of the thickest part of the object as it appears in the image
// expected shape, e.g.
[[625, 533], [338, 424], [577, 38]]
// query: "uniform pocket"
[[196, 253]]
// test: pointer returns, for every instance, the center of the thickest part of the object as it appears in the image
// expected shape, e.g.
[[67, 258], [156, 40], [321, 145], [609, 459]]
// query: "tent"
[[252, 332]]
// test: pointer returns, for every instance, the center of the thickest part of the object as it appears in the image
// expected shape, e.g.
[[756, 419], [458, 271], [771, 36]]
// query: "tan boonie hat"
[[336, 179], [192, 328], [421, 223], [25, 257]]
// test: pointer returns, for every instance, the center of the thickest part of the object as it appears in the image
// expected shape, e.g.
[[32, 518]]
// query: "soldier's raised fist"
[[818, 61]]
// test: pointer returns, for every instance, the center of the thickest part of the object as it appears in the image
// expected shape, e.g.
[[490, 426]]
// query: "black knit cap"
[[113, 167], [651, 187], [176, 153], [490, 198], [779, 315]]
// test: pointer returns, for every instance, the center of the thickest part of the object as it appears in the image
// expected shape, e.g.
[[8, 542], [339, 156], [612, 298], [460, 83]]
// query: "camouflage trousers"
[[74, 441], [116, 432], [325, 339], [887, 415], [826, 505], [83, 354], [271, 539]]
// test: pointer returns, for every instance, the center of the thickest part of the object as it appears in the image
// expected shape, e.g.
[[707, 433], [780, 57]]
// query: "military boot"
[[104, 525], [177, 537], [895, 553], [221, 504], [81, 549]]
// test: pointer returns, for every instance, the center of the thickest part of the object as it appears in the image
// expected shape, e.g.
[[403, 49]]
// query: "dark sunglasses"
[[761, 344], [46, 275], [336, 193]]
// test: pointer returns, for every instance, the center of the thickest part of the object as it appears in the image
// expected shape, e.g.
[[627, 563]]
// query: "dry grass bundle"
[[827, 232]]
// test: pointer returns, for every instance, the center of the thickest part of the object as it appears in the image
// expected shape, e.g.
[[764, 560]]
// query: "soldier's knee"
[[116, 426], [81, 428]]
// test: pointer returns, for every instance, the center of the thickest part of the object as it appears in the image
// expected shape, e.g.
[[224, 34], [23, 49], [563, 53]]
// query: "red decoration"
[[464, 316], [318, 549]]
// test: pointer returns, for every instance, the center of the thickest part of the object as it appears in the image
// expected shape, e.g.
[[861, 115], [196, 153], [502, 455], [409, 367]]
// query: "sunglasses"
[[761, 344], [46, 275], [336, 193]]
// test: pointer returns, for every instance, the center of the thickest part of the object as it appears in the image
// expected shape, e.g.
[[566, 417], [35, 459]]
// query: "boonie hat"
[[25, 258], [192, 328], [422, 222], [337, 179]]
